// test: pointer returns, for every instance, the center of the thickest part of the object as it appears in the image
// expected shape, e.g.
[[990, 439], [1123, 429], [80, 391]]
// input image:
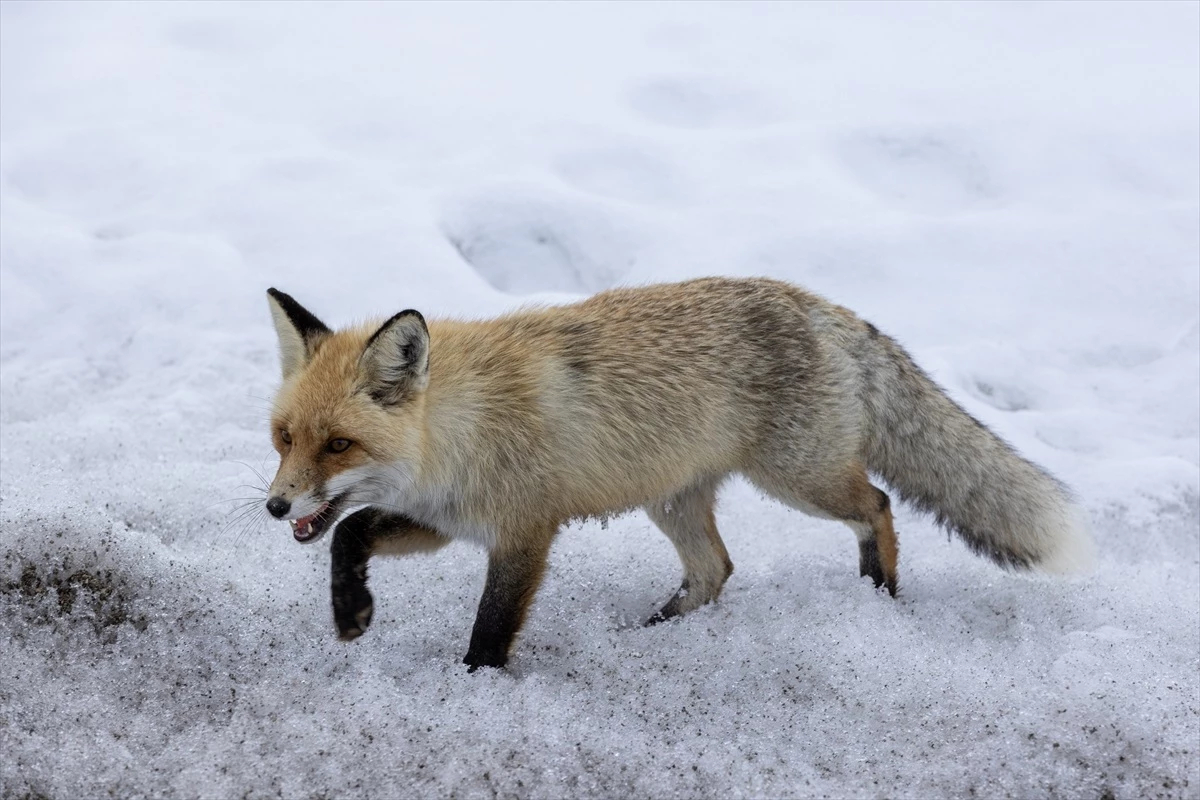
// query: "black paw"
[[671, 609], [662, 615], [869, 566], [881, 582], [352, 609], [494, 660]]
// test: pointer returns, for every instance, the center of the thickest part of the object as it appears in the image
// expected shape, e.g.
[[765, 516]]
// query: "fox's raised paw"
[[352, 609]]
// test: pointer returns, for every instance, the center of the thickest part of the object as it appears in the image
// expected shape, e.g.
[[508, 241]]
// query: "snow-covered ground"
[[1012, 190]]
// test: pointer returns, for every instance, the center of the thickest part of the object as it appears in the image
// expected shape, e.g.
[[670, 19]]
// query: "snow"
[[1011, 190]]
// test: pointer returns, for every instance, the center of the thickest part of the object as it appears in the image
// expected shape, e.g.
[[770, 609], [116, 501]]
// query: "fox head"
[[348, 419]]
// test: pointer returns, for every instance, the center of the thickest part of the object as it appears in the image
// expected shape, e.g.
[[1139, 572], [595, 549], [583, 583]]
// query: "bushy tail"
[[942, 460]]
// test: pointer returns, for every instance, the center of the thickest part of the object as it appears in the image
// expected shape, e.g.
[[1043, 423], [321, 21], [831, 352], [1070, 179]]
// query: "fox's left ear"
[[396, 358], [299, 331]]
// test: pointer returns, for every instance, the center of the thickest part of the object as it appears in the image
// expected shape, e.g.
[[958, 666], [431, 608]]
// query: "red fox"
[[499, 431]]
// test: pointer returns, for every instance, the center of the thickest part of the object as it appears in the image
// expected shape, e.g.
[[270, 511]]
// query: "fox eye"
[[287, 437], [338, 445]]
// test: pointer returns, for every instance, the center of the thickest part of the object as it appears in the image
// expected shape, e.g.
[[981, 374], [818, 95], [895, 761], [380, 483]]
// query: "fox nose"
[[278, 507]]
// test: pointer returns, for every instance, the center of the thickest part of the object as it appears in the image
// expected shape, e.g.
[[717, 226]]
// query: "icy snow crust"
[[1011, 190]]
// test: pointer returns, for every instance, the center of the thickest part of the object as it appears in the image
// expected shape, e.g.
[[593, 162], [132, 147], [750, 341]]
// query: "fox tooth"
[[308, 529]]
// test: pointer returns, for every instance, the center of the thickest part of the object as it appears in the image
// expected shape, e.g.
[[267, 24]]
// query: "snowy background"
[[1011, 190]]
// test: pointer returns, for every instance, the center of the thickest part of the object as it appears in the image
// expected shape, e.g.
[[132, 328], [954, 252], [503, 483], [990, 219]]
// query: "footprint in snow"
[[525, 242], [698, 103], [1005, 397], [932, 171]]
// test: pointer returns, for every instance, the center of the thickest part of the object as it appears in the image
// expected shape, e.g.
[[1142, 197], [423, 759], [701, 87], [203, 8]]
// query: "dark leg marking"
[[512, 580], [671, 609], [870, 565], [353, 541]]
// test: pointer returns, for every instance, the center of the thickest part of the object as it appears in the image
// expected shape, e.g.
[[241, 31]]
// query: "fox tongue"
[[304, 522]]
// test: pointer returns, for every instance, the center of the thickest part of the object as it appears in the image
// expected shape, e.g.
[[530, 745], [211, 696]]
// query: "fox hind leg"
[[878, 547], [851, 499], [888, 545], [687, 520]]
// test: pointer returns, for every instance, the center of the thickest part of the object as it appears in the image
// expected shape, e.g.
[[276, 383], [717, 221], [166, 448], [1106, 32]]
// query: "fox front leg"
[[358, 537], [513, 576]]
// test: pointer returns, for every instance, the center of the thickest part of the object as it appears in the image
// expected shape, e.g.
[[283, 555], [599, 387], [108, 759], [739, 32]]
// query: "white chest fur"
[[436, 508]]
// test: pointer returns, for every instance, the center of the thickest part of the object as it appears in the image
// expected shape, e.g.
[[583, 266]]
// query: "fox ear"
[[299, 331], [396, 358]]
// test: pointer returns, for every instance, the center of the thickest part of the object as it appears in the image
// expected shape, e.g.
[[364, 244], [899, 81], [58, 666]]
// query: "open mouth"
[[307, 530]]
